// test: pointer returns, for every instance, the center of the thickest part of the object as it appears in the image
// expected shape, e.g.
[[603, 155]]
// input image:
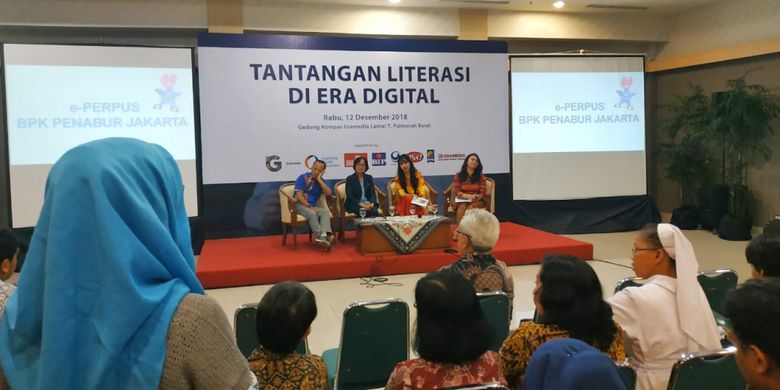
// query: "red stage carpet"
[[263, 260]]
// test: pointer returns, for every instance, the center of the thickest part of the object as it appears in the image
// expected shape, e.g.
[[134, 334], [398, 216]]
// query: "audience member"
[[753, 310], [569, 304], [359, 190], [669, 314], [308, 188], [570, 364], [108, 297], [477, 234], [452, 338], [763, 255], [284, 318], [469, 186], [9, 250], [409, 183]]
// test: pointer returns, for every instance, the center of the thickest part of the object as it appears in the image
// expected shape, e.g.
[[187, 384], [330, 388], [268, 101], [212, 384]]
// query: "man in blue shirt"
[[308, 188]]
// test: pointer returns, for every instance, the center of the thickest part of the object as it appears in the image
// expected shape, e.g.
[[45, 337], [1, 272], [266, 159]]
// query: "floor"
[[612, 262]]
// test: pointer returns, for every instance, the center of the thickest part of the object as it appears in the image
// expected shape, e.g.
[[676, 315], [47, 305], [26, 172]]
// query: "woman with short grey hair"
[[476, 236]]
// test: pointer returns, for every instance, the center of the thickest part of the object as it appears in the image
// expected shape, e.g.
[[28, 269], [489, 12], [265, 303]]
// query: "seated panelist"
[[409, 183], [360, 190], [470, 186]]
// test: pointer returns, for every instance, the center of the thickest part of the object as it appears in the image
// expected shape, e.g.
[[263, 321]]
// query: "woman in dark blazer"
[[360, 190]]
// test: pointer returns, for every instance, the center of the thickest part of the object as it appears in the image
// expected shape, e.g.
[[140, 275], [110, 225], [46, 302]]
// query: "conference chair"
[[374, 338], [628, 373], [490, 198], [497, 309], [290, 218], [631, 281], [343, 214], [433, 195], [716, 284], [246, 331], [709, 370]]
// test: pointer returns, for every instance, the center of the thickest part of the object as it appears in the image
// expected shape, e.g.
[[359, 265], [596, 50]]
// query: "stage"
[[263, 260]]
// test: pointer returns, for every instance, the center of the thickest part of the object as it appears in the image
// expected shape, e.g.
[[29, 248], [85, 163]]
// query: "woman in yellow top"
[[409, 183]]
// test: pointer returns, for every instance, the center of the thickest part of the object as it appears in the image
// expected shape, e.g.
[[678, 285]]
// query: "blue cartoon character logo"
[[168, 95], [625, 94]]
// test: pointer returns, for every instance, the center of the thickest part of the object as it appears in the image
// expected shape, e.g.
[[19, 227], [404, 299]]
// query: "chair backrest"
[[374, 338], [716, 283], [496, 307], [286, 190], [707, 370], [246, 333], [631, 281], [490, 194], [341, 196]]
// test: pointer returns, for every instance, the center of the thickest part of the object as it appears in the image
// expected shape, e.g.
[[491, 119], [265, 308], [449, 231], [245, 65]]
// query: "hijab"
[[570, 364], [108, 264]]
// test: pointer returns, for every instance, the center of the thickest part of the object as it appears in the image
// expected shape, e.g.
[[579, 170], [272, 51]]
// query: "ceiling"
[[643, 7]]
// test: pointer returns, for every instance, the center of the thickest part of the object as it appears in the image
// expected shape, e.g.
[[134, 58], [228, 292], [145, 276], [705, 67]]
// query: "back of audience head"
[[9, 251], [763, 255], [568, 294], [114, 227], [753, 310], [284, 316], [451, 327], [482, 229], [569, 364]]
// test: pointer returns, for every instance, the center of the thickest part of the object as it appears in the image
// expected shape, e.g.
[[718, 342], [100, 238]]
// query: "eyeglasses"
[[465, 234], [634, 250]]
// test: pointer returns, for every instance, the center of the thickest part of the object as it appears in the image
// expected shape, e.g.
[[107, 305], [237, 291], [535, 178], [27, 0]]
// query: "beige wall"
[[723, 24], [764, 181]]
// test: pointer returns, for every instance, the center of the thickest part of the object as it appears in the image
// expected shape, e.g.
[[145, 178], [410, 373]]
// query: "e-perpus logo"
[[349, 158], [272, 163], [309, 160], [416, 156]]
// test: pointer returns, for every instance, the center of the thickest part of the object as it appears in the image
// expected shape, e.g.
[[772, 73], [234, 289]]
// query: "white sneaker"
[[322, 240]]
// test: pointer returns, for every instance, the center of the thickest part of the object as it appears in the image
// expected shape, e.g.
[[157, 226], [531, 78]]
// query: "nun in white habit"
[[669, 314]]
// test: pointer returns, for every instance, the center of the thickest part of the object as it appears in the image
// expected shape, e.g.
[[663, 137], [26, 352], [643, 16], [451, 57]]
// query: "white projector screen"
[[58, 97], [578, 127]]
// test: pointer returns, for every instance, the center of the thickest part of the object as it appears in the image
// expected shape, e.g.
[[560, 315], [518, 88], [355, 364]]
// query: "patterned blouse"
[[520, 345], [422, 374], [288, 372], [485, 273], [467, 187], [6, 289]]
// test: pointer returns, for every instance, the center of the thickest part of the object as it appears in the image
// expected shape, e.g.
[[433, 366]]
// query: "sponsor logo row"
[[376, 159]]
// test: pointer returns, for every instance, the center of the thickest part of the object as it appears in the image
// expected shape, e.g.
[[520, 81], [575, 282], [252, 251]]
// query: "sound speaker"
[[713, 205], [686, 217]]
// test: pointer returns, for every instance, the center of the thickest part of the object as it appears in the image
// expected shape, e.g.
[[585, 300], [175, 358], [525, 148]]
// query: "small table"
[[373, 240]]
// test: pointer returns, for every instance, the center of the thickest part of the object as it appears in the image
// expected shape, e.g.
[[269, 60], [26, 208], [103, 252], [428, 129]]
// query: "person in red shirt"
[[469, 185], [452, 338]]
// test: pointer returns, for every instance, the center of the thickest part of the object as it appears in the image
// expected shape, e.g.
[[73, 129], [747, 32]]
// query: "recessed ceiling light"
[[559, 4], [395, 1]]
